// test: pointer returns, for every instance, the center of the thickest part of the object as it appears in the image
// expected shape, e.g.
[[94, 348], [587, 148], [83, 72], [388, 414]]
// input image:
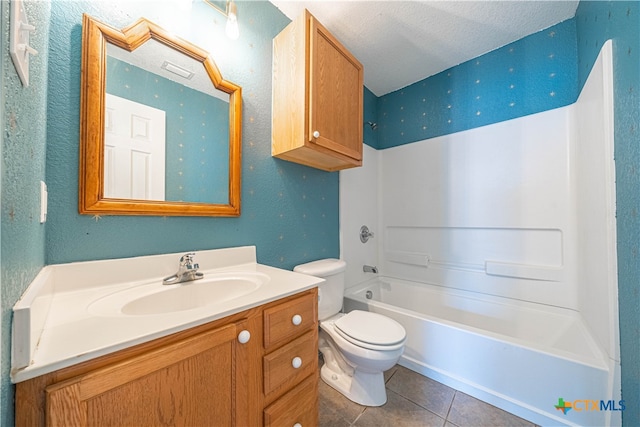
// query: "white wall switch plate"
[[19, 47], [44, 195]]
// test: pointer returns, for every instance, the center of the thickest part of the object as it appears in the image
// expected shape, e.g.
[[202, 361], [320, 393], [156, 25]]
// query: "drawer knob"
[[297, 425], [296, 362], [244, 337], [296, 320], [316, 134]]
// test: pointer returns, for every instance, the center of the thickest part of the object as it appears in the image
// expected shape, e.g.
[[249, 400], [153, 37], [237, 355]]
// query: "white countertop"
[[63, 331]]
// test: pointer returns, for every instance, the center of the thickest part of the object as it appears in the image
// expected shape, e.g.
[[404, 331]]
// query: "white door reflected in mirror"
[[134, 156]]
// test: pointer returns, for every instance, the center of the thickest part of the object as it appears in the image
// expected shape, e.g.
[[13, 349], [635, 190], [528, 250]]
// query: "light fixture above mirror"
[[227, 8]]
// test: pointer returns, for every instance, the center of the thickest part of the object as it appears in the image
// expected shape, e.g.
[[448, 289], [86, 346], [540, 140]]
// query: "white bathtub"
[[519, 356]]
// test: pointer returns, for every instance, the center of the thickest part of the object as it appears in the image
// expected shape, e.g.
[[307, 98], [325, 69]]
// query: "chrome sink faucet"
[[187, 271]]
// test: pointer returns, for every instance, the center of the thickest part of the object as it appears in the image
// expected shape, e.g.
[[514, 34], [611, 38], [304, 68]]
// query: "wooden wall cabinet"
[[202, 376], [317, 117]]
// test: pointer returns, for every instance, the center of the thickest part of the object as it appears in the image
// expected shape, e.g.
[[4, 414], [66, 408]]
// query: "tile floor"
[[413, 400]]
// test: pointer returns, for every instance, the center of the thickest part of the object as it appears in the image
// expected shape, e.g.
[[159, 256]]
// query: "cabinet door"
[[335, 95], [190, 382]]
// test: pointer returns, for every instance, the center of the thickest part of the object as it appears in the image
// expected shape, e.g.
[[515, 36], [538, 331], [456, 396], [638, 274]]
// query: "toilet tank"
[[330, 292]]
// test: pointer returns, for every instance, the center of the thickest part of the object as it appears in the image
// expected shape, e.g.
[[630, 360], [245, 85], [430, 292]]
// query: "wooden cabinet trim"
[[61, 410], [248, 381]]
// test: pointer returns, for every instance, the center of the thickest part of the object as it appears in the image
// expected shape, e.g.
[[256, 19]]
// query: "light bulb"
[[231, 29]]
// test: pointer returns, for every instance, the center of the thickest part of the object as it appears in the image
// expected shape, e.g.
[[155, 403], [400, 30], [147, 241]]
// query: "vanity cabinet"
[[317, 117], [155, 388], [202, 376]]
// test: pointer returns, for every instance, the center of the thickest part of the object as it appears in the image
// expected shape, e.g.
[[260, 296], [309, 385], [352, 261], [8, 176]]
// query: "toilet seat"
[[370, 330]]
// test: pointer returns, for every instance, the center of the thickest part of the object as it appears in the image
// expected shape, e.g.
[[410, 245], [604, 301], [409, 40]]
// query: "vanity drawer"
[[291, 363], [299, 406], [290, 319]]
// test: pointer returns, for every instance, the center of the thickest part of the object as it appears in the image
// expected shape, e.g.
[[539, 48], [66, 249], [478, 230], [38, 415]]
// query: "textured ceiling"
[[402, 42]]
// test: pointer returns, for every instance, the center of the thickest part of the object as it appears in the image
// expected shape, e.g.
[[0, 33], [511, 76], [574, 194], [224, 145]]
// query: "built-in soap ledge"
[[408, 258], [523, 271], [424, 260], [492, 268]]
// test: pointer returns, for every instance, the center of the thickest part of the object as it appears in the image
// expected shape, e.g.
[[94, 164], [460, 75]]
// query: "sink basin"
[[155, 298]]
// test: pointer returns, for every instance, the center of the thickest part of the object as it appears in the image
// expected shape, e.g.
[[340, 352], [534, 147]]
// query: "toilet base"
[[363, 388]]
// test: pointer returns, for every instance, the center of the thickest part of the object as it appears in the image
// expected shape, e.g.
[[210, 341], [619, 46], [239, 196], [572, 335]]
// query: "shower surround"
[[522, 211]]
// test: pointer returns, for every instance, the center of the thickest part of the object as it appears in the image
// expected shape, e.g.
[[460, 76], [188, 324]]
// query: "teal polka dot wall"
[[289, 212], [534, 74], [596, 22]]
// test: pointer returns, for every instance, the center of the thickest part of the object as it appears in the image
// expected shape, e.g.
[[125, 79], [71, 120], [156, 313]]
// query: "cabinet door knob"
[[296, 362], [296, 320], [297, 425], [316, 134], [244, 337]]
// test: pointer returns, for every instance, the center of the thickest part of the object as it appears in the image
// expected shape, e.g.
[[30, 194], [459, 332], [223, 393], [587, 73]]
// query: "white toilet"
[[357, 347]]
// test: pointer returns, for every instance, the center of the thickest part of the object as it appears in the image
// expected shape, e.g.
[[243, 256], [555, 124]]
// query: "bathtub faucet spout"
[[370, 269]]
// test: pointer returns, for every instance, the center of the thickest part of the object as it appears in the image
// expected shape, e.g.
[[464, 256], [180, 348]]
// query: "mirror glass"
[[169, 136], [166, 128]]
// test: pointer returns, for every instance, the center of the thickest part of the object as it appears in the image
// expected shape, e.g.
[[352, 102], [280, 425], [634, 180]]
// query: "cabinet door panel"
[[336, 97], [186, 383]]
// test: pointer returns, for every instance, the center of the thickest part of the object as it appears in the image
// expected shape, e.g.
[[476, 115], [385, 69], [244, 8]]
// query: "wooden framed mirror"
[[156, 161]]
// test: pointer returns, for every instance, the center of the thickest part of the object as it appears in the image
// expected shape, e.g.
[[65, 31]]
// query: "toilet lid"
[[370, 328]]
